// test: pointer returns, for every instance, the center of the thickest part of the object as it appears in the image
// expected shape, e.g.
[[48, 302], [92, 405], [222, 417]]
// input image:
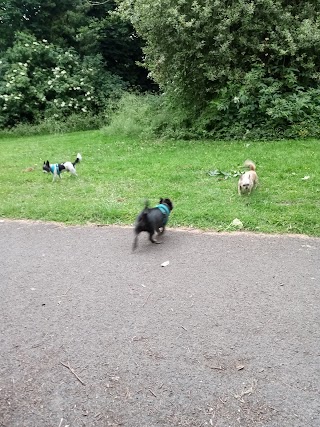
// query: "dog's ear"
[[161, 200], [47, 162], [168, 202]]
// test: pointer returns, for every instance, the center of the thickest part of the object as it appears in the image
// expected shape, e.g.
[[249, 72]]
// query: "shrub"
[[41, 81], [234, 67]]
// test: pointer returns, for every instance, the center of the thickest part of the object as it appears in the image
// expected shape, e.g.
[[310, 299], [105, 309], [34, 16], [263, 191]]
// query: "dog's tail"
[[144, 213], [142, 219], [250, 164], [78, 159]]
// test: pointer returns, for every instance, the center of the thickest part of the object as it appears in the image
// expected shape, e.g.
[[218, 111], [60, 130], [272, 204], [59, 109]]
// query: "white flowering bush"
[[39, 80]]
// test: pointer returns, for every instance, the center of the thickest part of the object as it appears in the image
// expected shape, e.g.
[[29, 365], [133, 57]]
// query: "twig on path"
[[71, 370], [152, 393], [60, 422], [146, 299], [219, 368], [184, 328], [63, 295]]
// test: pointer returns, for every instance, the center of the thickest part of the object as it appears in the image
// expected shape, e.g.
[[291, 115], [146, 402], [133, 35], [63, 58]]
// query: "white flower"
[[45, 41], [26, 45], [63, 104], [236, 100]]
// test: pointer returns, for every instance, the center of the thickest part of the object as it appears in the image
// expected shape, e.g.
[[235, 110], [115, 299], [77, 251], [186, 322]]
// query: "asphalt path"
[[226, 334]]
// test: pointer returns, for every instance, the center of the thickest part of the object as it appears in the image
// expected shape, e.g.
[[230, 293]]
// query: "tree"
[[89, 28], [252, 62], [56, 21]]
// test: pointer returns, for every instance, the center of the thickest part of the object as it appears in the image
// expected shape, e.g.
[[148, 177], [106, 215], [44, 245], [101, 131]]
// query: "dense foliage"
[[41, 80], [235, 68], [225, 69], [62, 57]]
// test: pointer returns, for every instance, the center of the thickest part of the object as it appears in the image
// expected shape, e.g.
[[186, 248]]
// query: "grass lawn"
[[117, 174]]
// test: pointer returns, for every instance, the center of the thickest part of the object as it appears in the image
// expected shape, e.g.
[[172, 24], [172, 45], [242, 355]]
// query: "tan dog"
[[249, 180]]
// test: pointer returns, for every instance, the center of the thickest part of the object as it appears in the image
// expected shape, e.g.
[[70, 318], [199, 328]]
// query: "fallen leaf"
[[240, 367], [237, 223]]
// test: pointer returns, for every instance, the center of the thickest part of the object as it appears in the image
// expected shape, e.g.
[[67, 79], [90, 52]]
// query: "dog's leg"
[[152, 239], [161, 230]]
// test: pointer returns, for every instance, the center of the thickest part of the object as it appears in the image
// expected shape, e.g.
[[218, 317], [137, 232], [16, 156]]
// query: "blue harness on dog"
[[55, 167], [166, 212]]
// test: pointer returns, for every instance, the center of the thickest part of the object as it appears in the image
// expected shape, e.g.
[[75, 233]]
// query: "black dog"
[[152, 220]]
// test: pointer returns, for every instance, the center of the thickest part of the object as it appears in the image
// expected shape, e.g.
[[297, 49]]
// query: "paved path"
[[228, 334]]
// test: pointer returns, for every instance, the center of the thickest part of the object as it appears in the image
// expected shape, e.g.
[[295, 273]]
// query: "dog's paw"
[[155, 241]]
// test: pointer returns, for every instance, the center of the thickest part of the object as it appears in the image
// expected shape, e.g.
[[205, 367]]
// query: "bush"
[[146, 116], [42, 81], [235, 68], [152, 116], [72, 123]]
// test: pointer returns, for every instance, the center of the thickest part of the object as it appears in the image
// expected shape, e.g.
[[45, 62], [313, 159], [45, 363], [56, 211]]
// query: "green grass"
[[117, 174]]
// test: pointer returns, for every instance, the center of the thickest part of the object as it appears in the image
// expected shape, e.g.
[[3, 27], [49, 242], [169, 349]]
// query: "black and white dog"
[[152, 220], [57, 168]]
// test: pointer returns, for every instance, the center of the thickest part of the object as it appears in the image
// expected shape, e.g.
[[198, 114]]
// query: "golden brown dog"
[[249, 180]]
